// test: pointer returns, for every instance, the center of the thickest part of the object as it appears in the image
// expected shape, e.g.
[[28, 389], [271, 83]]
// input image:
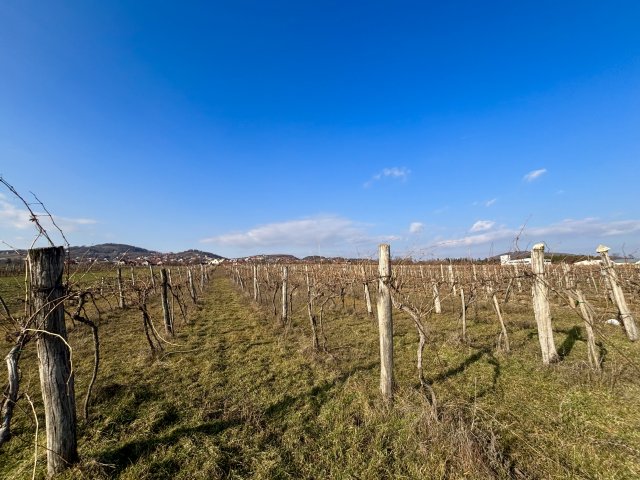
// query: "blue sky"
[[324, 127]]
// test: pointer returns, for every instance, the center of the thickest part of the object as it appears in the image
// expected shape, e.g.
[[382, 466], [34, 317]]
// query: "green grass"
[[235, 398]]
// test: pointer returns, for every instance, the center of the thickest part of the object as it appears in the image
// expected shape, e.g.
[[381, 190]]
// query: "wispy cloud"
[[534, 174], [568, 227], [488, 203], [416, 227], [398, 173], [19, 218], [326, 231], [482, 226]]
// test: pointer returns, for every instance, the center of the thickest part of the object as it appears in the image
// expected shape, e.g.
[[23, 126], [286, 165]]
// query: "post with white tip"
[[540, 293], [618, 297]]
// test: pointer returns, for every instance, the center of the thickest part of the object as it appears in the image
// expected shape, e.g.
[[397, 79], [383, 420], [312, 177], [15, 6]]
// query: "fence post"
[[120, 289], [385, 323], [540, 292], [618, 296], [285, 298], [46, 268], [164, 291]]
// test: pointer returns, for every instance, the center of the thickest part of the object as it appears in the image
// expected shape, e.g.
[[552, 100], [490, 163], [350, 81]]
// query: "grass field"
[[234, 397]]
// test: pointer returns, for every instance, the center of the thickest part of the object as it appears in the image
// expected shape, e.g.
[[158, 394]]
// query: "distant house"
[[507, 260], [588, 263]]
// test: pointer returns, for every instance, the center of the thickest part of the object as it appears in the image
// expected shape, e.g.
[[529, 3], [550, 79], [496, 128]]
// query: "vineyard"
[[375, 369]]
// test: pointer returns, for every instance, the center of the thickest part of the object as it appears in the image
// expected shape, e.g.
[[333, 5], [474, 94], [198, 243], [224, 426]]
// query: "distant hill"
[[110, 252]]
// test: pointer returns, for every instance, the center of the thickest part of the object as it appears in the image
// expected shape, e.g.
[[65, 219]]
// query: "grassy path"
[[233, 401]]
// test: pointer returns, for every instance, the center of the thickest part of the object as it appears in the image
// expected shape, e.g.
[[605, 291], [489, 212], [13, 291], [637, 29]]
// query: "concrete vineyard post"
[[46, 268], [542, 312], [618, 296], [385, 323]]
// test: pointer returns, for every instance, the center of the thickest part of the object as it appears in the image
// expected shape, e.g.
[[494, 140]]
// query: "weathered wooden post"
[[585, 312], [153, 278], [464, 315], [541, 309], [503, 340], [312, 318], [385, 323], [255, 283], [367, 295], [192, 287], [164, 292], [46, 268], [285, 297], [436, 299], [452, 280], [133, 277], [618, 296], [120, 289]]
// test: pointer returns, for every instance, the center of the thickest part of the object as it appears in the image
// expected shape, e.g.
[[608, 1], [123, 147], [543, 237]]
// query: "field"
[[238, 394]]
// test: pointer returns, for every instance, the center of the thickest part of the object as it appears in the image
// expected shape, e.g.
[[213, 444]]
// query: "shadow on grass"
[[130, 452], [470, 360], [573, 335], [316, 396]]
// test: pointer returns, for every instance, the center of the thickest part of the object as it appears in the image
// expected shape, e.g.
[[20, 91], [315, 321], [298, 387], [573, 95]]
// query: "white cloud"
[[488, 203], [482, 225], [12, 216], [569, 227], [416, 227], [399, 173], [19, 218], [534, 174], [325, 231]]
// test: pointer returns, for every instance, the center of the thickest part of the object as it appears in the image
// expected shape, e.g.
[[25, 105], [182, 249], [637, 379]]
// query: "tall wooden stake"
[[542, 312], [385, 323], [46, 268]]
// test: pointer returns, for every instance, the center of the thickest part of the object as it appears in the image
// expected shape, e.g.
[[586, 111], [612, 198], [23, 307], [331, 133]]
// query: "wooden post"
[[164, 291], [618, 296], [120, 289], [133, 277], [192, 287], [202, 277], [153, 278], [464, 316], [367, 294], [436, 299], [285, 298], [592, 350], [452, 280], [46, 268], [312, 318], [504, 336], [541, 309], [385, 323], [255, 283]]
